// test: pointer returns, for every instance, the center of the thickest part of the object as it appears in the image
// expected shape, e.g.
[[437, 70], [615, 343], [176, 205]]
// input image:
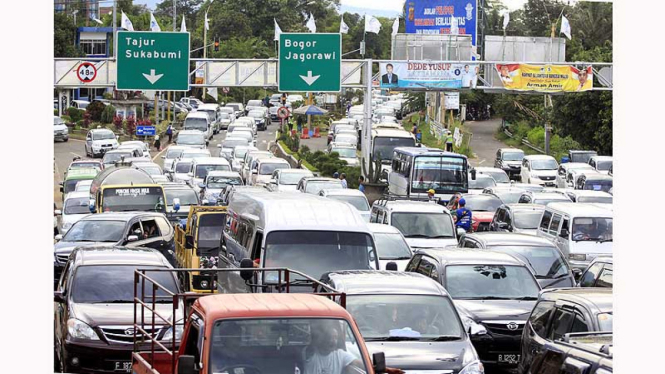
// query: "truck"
[[197, 246], [266, 331], [123, 188]]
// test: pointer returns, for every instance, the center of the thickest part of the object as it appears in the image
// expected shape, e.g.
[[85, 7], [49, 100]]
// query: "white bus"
[[384, 142]]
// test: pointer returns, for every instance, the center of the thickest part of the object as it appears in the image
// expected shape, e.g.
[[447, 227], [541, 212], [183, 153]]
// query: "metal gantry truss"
[[264, 73]]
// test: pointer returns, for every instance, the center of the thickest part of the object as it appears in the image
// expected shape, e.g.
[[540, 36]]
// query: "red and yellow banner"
[[545, 78]]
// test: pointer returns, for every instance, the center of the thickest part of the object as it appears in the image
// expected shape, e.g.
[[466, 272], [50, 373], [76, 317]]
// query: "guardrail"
[[524, 142]]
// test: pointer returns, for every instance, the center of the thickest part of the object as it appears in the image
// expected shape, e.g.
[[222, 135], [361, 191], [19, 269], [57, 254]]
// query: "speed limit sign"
[[86, 72], [283, 112]]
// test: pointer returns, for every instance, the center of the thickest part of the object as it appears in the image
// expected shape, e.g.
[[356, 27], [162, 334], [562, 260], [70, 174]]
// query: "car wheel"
[[65, 139]]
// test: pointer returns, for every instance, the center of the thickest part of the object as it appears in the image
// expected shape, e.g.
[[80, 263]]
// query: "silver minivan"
[[582, 231]]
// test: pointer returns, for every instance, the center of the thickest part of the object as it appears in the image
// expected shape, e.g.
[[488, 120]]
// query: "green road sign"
[[153, 61], [310, 62]]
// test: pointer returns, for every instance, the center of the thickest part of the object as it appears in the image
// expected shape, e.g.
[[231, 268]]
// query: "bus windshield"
[[384, 146], [146, 199], [444, 174]]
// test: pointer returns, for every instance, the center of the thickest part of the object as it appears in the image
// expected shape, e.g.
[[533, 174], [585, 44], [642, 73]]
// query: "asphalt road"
[[483, 142]]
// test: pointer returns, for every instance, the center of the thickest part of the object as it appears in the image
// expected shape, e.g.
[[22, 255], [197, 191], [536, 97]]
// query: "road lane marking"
[[76, 154], [483, 160], [160, 152]]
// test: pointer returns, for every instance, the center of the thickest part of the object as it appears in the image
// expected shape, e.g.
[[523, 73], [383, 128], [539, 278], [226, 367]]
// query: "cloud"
[[392, 5]]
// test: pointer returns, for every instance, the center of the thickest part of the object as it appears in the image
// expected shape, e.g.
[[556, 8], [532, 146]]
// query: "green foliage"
[[55, 112], [95, 110], [64, 36], [66, 118], [107, 114], [415, 101], [536, 136], [107, 95], [75, 114]]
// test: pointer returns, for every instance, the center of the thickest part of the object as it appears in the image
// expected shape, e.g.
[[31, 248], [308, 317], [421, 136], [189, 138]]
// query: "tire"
[[65, 139]]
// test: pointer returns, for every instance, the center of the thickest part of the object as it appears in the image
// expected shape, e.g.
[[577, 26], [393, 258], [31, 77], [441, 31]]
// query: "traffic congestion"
[[216, 251]]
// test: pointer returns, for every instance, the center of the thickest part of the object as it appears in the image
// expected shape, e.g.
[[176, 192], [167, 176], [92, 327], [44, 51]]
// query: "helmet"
[[462, 201], [335, 175], [431, 191]]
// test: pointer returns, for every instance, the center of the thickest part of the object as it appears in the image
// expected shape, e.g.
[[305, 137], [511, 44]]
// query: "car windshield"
[[292, 179], [255, 113], [70, 185], [58, 121], [278, 345], [358, 202], [513, 156], [482, 203], [95, 231], [268, 168], [195, 124], [605, 321], [384, 146], [592, 229], [481, 182], [424, 225], [598, 185], [221, 182], [103, 135], [546, 262], [317, 252], [145, 199], [543, 164], [102, 284], [509, 197], [490, 281], [416, 317], [345, 152], [314, 187], [346, 138], [187, 196], [174, 153], [499, 176], [581, 156], [111, 158], [442, 173], [190, 139], [254, 103], [603, 165], [152, 170], [391, 246], [203, 170], [595, 199], [210, 231], [240, 152], [183, 167], [77, 205], [527, 219]]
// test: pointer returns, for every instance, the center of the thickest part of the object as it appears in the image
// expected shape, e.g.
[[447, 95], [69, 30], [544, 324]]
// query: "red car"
[[482, 207]]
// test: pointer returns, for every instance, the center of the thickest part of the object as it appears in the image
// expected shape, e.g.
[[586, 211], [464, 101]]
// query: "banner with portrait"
[[427, 75], [545, 78]]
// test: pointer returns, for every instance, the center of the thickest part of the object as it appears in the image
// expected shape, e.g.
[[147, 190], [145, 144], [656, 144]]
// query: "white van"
[[539, 169], [262, 173], [213, 113], [199, 121], [423, 224], [303, 232], [582, 231]]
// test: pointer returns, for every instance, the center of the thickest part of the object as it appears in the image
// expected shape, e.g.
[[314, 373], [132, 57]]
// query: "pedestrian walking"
[[449, 142], [414, 130], [419, 136], [158, 144], [361, 186], [342, 177], [169, 132]]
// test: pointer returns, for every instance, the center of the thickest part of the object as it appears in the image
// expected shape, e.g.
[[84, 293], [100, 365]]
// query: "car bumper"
[[492, 345], [60, 136], [98, 356]]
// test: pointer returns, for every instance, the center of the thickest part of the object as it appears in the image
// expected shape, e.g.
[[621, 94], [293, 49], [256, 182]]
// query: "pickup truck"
[[256, 333], [197, 246], [576, 353]]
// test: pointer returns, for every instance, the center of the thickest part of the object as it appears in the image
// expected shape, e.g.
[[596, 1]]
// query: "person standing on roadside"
[[463, 216], [449, 141], [361, 186], [158, 144], [169, 132], [342, 177]]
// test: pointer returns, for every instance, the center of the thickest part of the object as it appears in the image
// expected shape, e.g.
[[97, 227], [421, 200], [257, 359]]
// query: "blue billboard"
[[434, 17]]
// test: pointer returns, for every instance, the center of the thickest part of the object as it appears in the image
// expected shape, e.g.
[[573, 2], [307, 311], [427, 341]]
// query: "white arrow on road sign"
[[152, 78], [309, 79]]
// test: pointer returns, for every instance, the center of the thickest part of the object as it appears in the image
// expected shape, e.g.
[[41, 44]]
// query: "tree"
[[64, 37]]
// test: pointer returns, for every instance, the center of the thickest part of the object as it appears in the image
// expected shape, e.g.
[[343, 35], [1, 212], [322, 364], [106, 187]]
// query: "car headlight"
[[66, 130], [80, 330], [476, 367], [577, 256], [472, 327], [168, 335]]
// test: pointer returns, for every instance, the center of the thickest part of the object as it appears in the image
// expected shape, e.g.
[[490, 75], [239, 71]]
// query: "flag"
[[343, 28], [182, 25], [212, 91], [506, 19], [372, 24], [277, 30], [565, 27], [207, 25], [454, 28], [311, 24], [125, 23], [395, 26], [154, 26]]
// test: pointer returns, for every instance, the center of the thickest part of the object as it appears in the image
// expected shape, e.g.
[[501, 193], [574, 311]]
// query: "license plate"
[[123, 366], [508, 359]]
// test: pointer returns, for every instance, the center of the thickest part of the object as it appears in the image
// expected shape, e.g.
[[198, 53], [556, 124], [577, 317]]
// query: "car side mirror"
[[577, 273], [379, 362], [255, 171], [202, 185], [219, 146], [58, 297], [503, 225], [391, 266], [57, 212], [186, 364], [58, 237], [246, 263], [117, 137], [132, 238], [190, 174]]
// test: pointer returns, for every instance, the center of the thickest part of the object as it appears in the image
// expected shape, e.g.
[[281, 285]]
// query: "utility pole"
[[115, 28], [366, 140]]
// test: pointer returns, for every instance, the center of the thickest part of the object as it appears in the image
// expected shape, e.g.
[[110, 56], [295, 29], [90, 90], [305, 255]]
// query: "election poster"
[[435, 17], [545, 78], [427, 75]]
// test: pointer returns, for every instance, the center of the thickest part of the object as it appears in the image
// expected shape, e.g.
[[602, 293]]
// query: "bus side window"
[[374, 214]]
